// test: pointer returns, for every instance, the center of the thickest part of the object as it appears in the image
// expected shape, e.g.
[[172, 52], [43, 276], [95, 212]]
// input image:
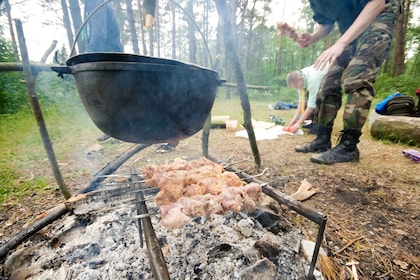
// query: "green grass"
[[21, 145], [14, 185], [260, 110]]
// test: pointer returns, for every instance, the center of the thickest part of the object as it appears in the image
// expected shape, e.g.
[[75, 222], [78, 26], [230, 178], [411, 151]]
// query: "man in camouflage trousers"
[[366, 28]]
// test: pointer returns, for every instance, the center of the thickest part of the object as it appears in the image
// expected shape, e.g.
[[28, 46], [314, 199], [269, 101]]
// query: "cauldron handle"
[[61, 70], [79, 31]]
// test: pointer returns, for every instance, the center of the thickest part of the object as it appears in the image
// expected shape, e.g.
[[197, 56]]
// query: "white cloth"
[[267, 134]]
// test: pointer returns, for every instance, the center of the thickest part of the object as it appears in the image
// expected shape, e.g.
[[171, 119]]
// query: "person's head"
[[295, 80]]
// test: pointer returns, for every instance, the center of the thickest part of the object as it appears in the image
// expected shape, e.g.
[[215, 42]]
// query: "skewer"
[[228, 163], [113, 175], [156, 259], [140, 216], [260, 174], [124, 203], [122, 183]]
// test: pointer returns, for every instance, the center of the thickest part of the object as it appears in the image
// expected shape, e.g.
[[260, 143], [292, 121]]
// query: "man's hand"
[[294, 128], [329, 56], [304, 39], [286, 30], [291, 128]]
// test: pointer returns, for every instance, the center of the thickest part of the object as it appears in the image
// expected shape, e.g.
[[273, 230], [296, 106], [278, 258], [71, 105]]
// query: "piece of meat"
[[231, 199], [253, 190], [162, 199], [194, 189], [200, 205], [198, 188], [287, 30], [173, 216], [173, 183], [227, 180]]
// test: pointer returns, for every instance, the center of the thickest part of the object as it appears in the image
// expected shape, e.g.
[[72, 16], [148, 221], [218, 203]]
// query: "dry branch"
[[347, 245], [49, 51]]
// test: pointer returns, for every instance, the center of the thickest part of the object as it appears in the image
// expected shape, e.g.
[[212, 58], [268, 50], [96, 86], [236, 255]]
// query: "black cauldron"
[[143, 99]]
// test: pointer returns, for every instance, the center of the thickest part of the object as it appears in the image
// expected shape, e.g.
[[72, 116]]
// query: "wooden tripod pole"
[[30, 85]]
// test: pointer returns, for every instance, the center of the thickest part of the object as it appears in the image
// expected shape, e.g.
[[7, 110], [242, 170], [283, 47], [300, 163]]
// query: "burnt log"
[[400, 129]]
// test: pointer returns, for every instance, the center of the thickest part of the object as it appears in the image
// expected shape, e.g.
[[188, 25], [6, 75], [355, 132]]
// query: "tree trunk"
[[401, 25], [192, 45], [143, 39], [157, 27], [151, 40], [226, 25], [9, 20], [76, 16], [67, 23], [249, 48], [132, 25], [173, 34], [206, 31]]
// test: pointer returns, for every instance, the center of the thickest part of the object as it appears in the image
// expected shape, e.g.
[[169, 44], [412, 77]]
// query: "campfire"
[[116, 232], [115, 228]]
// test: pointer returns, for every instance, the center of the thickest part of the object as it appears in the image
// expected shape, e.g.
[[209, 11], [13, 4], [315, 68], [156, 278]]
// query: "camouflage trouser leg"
[[329, 97], [355, 72], [318, 103]]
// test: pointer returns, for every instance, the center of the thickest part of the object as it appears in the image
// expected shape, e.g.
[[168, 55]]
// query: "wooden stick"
[[18, 67], [347, 245], [231, 85], [30, 85]]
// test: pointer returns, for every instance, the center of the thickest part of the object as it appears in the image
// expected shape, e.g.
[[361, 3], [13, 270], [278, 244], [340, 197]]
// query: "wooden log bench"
[[400, 129]]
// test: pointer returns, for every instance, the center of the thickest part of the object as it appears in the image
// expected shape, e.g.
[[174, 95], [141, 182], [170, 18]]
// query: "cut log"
[[399, 129]]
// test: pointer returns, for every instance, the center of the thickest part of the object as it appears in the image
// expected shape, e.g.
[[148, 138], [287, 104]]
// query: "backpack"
[[403, 105], [396, 104]]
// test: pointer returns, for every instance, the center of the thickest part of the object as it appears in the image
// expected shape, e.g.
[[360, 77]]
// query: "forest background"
[[188, 30], [379, 194]]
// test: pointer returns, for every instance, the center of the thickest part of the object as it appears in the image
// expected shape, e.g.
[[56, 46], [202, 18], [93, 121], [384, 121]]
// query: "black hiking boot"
[[345, 151], [314, 128], [321, 143]]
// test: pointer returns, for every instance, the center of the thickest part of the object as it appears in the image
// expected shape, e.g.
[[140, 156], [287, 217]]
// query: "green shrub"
[[13, 96], [386, 85]]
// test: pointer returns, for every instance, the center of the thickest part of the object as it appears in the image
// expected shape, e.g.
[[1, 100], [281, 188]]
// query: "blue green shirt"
[[312, 79]]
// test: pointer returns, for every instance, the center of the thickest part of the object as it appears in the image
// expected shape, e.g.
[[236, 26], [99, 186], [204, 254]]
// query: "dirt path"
[[372, 206]]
